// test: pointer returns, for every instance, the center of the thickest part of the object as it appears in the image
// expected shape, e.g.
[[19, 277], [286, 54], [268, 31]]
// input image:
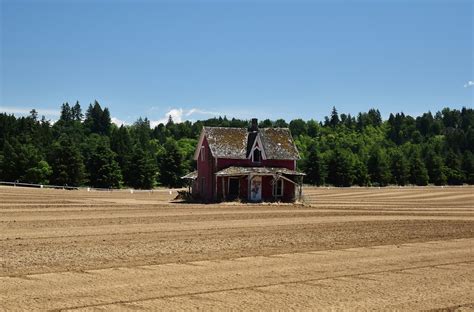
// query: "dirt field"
[[343, 249]]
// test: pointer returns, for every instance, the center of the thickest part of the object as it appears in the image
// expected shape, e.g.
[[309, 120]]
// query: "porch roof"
[[241, 171], [192, 175]]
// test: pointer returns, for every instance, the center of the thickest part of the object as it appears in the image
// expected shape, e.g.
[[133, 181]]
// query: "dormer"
[[257, 153]]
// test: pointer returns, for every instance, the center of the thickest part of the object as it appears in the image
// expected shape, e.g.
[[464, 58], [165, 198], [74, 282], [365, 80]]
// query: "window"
[[257, 155], [278, 188], [202, 153]]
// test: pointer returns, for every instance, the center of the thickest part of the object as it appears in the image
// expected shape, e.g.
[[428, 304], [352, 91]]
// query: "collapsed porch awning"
[[191, 176], [256, 171]]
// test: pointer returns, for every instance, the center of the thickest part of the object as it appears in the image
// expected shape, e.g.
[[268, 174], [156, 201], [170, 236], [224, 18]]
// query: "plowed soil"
[[341, 249]]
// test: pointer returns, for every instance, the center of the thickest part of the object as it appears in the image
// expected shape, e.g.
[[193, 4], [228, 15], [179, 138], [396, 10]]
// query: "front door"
[[256, 189]]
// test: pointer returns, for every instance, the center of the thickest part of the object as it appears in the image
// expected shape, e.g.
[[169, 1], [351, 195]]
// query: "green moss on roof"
[[236, 142]]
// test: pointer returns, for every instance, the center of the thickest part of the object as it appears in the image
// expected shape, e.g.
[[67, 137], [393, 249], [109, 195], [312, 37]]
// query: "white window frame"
[[203, 151], [274, 189]]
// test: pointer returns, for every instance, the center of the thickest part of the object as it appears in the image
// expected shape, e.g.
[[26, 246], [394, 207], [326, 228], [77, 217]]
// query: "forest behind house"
[[341, 150]]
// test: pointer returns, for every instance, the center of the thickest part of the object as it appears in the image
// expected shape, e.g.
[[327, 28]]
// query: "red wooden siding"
[[206, 170]]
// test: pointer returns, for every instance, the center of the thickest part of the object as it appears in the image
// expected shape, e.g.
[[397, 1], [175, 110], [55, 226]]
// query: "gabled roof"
[[278, 143], [236, 143]]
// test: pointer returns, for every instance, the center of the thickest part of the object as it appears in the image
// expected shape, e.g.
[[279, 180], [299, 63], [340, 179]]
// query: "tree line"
[[341, 150]]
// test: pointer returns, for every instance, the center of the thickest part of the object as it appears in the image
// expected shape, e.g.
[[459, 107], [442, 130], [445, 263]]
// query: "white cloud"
[[26, 111], [118, 122], [470, 83], [179, 115]]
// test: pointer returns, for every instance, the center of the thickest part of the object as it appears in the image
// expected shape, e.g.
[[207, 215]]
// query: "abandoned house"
[[255, 164]]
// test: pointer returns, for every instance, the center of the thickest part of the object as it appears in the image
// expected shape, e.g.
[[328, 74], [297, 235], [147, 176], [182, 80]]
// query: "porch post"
[[223, 188], [249, 187]]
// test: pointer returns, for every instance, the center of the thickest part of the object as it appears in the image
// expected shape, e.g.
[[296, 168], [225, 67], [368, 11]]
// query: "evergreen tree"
[[340, 168], [76, 112], [399, 167], [435, 168], [334, 121], [66, 163], [314, 167], [440, 144], [121, 145], [143, 168], [171, 168], [454, 173], [97, 120], [361, 175], [9, 168], [418, 172], [468, 167], [103, 170], [378, 168]]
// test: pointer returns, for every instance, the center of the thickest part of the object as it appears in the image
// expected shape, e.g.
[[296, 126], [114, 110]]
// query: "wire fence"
[[83, 188]]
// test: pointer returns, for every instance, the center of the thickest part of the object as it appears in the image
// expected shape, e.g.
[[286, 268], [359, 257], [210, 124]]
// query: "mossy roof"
[[236, 143]]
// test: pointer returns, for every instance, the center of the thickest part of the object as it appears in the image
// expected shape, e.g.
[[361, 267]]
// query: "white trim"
[[203, 153], [253, 155], [260, 148], [198, 147], [274, 188]]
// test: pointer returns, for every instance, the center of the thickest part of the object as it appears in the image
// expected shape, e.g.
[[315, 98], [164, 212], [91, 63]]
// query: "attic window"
[[257, 155], [202, 153]]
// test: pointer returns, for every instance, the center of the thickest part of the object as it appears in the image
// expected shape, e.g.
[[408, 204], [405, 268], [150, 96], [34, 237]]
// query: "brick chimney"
[[254, 125]]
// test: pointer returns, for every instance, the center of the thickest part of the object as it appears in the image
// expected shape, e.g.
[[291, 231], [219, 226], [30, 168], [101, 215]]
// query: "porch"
[[258, 184]]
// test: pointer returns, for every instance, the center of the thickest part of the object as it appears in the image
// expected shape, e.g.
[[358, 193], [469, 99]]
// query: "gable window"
[[278, 188], [257, 155], [202, 153]]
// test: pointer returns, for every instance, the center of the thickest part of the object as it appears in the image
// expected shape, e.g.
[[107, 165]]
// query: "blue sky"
[[265, 59]]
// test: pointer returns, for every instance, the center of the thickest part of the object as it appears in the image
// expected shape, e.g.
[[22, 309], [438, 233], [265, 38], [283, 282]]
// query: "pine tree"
[[436, 169], [399, 167], [468, 167], [454, 173], [66, 163], [378, 168], [334, 121], [314, 167], [121, 144], [171, 168], [418, 172], [340, 168], [97, 120], [9, 165], [143, 168], [103, 170]]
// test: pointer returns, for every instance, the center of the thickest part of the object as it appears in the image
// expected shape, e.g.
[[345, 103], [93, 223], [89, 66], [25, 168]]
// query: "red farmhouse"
[[252, 164]]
